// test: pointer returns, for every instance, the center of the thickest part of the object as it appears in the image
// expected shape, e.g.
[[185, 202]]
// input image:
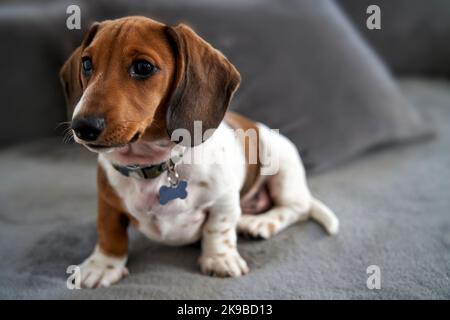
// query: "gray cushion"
[[35, 43], [305, 71], [414, 34]]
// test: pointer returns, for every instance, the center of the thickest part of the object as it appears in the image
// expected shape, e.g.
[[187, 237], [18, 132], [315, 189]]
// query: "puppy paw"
[[228, 264], [100, 270], [257, 226]]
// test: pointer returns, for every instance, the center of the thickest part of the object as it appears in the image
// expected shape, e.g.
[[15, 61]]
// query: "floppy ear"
[[70, 73], [70, 80], [203, 86]]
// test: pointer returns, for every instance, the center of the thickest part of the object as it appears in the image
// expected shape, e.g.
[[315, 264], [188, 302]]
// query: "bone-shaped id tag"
[[176, 188]]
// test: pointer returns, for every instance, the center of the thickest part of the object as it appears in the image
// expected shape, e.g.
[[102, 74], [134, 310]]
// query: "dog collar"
[[147, 172]]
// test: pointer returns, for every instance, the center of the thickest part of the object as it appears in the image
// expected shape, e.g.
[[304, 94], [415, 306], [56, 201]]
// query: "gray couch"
[[388, 185]]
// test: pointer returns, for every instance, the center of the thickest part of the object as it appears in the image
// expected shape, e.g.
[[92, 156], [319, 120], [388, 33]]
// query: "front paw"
[[228, 264], [100, 270]]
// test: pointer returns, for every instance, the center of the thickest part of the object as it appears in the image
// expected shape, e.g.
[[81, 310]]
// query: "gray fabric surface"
[[305, 70], [393, 206]]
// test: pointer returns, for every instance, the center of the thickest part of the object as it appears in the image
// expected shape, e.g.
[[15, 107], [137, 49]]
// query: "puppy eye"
[[86, 63], [142, 69]]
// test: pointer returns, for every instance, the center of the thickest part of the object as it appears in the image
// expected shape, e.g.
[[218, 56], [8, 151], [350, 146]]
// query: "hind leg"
[[288, 191], [269, 223]]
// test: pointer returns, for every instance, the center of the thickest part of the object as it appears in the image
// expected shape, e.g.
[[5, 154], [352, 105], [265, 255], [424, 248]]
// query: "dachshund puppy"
[[137, 91]]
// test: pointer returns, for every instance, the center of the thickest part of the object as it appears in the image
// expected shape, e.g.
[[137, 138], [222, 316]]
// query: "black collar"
[[147, 172]]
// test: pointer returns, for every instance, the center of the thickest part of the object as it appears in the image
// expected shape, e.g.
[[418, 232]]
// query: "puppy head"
[[134, 78]]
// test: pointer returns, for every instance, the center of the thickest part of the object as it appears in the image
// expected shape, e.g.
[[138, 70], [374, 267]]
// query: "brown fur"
[[127, 105], [112, 219], [237, 121]]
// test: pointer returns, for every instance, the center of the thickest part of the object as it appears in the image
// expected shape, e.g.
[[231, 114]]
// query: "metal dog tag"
[[167, 193], [176, 188]]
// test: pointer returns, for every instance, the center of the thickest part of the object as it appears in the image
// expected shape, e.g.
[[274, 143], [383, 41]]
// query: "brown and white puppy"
[[129, 86]]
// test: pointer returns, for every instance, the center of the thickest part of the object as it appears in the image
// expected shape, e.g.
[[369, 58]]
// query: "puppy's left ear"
[[69, 74], [203, 86]]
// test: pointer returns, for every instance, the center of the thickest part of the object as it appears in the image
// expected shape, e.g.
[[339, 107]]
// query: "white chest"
[[177, 222], [180, 220]]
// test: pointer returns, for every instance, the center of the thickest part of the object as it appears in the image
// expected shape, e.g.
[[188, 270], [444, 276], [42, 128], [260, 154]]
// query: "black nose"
[[88, 129]]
